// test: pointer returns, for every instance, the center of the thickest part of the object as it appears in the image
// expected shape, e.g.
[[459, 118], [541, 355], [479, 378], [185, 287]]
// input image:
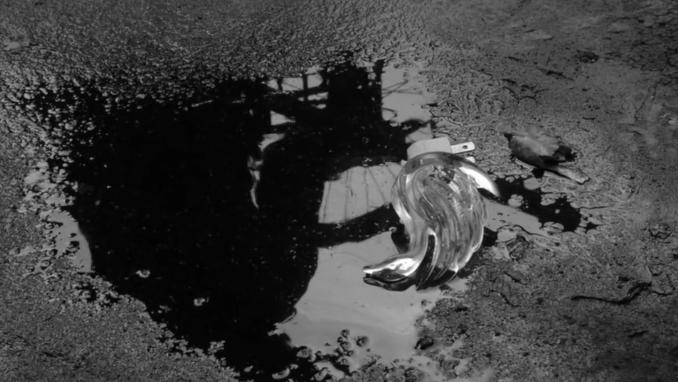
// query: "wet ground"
[[194, 191]]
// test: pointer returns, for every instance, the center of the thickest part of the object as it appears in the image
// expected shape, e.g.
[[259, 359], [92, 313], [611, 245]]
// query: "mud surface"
[[170, 176]]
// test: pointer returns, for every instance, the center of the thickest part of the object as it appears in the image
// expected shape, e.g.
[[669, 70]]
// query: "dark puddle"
[[163, 192]]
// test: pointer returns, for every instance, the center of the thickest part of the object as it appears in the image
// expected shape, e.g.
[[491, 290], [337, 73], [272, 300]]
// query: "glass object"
[[436, 197]]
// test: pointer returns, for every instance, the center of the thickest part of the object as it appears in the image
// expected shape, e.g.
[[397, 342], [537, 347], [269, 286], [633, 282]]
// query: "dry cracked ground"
[[603, 75]]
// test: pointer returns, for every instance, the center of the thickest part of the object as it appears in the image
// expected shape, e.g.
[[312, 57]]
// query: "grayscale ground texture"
[[601, 74]]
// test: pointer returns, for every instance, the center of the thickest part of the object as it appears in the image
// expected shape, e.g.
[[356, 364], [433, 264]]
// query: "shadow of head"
[[163, 194]]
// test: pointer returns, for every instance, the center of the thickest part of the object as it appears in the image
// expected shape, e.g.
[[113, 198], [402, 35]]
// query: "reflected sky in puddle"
[[67, 235], [62, 231], [380, 323], [337, 299]]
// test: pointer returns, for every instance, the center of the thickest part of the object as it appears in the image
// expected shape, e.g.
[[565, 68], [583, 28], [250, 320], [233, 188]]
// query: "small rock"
[[143, 273], [424, 343], [200, 301], [448, 365], [281, 374], [412, 374], [306, 353], [660, 230], [517, 247], [361, 341]]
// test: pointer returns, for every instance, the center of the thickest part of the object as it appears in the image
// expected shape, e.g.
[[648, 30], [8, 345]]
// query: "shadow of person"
[[163, 195]]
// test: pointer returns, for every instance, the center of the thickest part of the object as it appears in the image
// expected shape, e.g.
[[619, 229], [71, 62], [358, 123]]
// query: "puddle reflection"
[[219, 212], [206, 208]]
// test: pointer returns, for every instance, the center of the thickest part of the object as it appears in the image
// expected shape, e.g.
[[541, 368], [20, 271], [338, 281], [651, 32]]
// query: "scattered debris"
[[545, 152]]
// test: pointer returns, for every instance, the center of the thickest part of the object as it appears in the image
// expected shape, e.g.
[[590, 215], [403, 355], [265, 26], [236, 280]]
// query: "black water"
[[163, 197]]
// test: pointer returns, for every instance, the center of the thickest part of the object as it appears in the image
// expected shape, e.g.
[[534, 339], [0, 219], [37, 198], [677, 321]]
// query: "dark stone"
[[424, 343]]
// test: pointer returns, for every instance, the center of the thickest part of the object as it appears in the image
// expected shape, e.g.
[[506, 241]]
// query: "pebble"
[[424, 343]]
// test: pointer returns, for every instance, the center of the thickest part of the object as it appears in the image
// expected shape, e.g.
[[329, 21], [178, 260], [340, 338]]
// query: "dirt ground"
[[603, 75]]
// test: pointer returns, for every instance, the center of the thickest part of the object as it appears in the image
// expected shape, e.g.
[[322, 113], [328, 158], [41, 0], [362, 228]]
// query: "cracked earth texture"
[[601, 74]]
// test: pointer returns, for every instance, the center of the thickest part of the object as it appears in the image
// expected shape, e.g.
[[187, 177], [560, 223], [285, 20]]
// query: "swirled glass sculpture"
[[436, 196]]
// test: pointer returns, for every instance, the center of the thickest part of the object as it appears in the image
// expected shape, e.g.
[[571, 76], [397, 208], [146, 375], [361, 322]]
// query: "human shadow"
[[162, 191]]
